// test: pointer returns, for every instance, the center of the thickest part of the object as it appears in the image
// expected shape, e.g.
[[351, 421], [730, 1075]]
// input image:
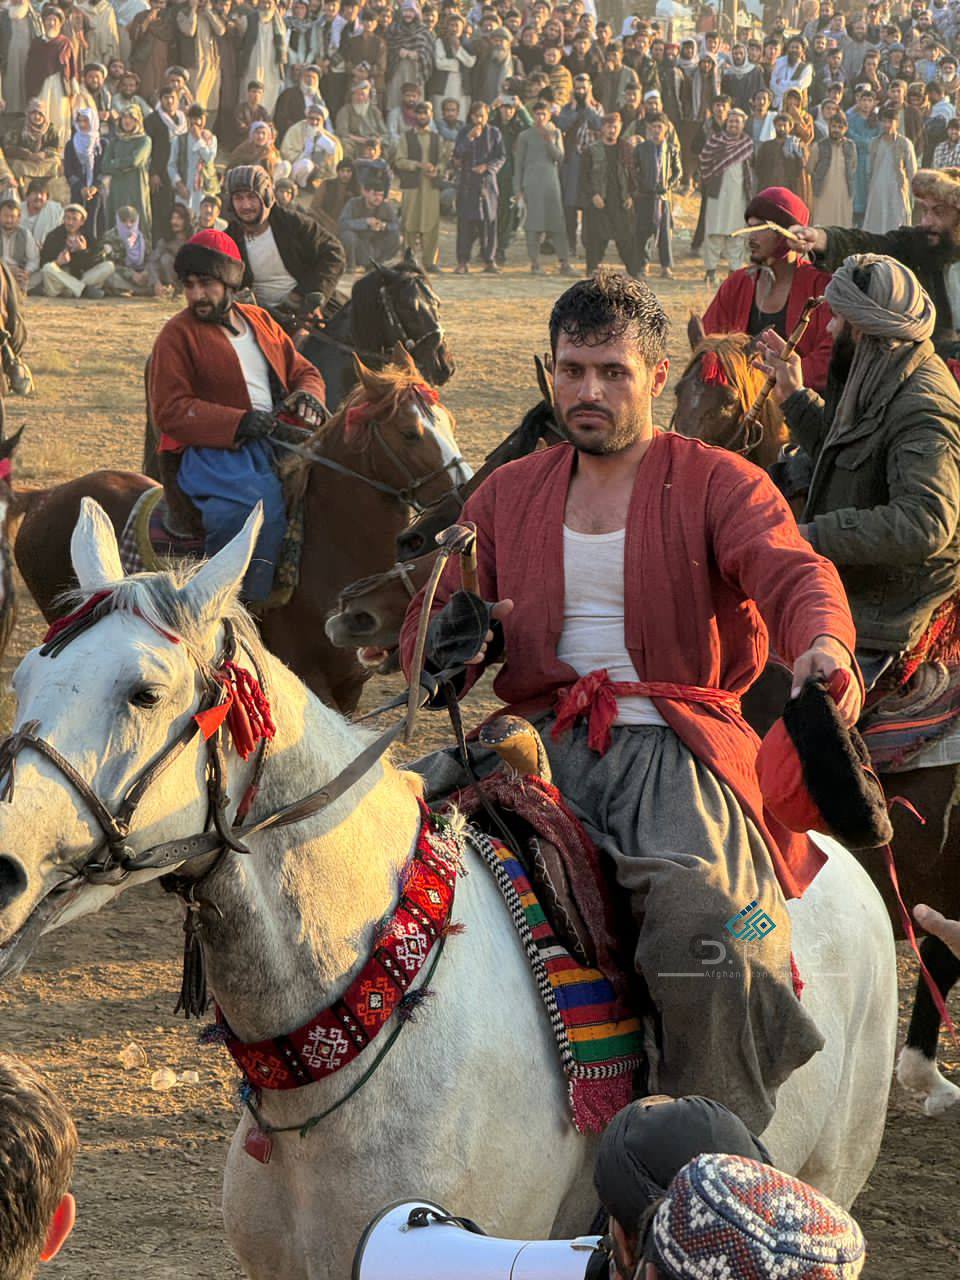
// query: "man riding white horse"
[[218, 373], [631, 569]]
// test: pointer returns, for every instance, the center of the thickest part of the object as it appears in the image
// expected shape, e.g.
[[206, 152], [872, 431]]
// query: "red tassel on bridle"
[[245, 709], [712, 372]]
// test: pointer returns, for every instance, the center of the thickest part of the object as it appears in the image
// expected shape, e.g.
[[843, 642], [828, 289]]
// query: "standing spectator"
[[162, 127], [51, 72], [863, 128], [95, 95], [479, 156], [126, 162], [19, 27], [610, 83], [580, 122], [369, 228], [359, 120], [299, 38], [454, 64], [201, 30], [37, 1211], [128, 95], [494, 67], [69, 263], [539, 151], [421, 159], [312, 152], [609, 213], [328, 56], [403, 117], [855, 46], [369, 50], [582, 60], [726, 177], [18, 249], [232, 84], [40, 213], [832, 168], [792, 71], [152, 35], [741, 79], [449, 123], [82, 167], [511, 118], [250, 110], [561, 81], [780, 162], [909, 119], [657, 173], [760, 122], [945, 156], [893, 162], [410, 52], [191, 169], [102, 34], [293, 103], [528, 53], [264, 49]]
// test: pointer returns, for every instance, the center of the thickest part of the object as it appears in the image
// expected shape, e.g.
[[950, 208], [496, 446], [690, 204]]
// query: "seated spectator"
[[18, 249], [286, 190], [293, 103], [71, 265], [252, 110], [312, 152], [208, 214], [259, 148], [40, 213], [39, 1144], [162, 277], [946, 155], [358, 120], [128, 253], [337, 193], [370, 167], [33, 150], [367, 49], [369, 227]]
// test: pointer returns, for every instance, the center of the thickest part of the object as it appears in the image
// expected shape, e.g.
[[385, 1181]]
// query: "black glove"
[[307, 407], [254, 426]]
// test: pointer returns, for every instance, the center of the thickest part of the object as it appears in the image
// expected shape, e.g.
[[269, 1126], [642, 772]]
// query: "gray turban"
[[885, 301]]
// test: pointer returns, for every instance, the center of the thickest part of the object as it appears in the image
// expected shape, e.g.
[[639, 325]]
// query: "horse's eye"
[[146, 697], [412, 436]]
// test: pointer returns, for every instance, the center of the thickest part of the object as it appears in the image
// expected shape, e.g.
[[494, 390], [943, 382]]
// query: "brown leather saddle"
[[182, 519]]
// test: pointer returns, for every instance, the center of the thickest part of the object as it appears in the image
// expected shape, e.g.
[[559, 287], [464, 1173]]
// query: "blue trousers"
[[226, 484]]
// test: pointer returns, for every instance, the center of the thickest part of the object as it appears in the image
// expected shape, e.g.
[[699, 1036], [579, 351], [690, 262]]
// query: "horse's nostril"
[[362, 622], [13, 881]]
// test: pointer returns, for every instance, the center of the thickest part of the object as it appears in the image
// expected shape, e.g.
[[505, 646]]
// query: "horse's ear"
[[410, 260], [365, 376], [544, 368], [215, 583], [93, 548], [403, 358], [695, 331], [8, 446]]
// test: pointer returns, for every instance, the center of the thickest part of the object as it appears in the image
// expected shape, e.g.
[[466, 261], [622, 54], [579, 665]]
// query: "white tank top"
[[593, 635], [253, 363]]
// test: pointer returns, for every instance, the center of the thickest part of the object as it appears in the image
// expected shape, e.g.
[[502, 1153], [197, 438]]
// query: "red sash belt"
[[595, 696]]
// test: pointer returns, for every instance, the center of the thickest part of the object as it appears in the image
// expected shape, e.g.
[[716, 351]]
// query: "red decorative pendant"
[[258, 1144]]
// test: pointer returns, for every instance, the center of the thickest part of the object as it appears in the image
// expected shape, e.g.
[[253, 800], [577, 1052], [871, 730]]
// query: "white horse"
[[469, 1108]]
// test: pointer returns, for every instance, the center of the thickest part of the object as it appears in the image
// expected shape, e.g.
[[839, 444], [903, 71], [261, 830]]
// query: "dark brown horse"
[[927, 853], [361, 487]]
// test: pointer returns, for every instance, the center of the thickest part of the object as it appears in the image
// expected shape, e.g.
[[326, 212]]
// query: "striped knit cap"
[[729, 1218]]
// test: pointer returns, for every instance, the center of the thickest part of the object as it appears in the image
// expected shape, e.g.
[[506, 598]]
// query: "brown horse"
[[927, 852], [388, 451]]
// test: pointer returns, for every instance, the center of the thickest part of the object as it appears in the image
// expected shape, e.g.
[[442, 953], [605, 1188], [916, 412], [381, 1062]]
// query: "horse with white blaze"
[[469, 1108]]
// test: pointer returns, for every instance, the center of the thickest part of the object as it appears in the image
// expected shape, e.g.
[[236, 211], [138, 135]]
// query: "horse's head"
[[369, 613], [397, 305], [716, 389], [108, 706], [407, 434]]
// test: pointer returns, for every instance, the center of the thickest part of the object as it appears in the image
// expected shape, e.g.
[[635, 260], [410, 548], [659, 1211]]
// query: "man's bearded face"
[[206, 298], [248, 207], [941, 223], [602, 394], [841, 358]]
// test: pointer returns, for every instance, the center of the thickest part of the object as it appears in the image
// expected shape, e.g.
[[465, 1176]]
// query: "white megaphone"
[[417, 1240]]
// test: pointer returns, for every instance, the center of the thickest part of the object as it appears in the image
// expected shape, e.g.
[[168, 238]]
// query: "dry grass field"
[[149, 1173]]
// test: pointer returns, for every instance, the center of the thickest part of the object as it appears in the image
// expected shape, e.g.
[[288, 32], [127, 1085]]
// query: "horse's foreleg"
[[917, 1066]]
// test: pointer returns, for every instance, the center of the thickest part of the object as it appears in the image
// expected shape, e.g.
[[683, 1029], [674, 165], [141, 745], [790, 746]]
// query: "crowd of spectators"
[[122, 119]]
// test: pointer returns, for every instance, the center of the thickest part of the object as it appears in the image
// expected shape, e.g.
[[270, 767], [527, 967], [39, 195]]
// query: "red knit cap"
[[217, 242], [779, 205]]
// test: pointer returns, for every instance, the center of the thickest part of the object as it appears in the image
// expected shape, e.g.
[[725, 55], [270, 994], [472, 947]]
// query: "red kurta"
[[708, 535], [729, 312], [197, 390]]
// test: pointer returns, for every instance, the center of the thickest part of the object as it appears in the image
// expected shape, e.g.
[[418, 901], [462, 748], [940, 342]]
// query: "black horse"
[[388, 305]]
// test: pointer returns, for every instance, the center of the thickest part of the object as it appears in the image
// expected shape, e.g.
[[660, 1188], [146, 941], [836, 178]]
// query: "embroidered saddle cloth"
[[148, 540]]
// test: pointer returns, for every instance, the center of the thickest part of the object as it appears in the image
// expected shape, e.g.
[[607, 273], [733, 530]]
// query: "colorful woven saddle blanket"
[[599, 1040], [147, 543], [900, 729]]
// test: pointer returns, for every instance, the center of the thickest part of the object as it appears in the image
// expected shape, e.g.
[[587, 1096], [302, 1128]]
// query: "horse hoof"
[[919, 1074]]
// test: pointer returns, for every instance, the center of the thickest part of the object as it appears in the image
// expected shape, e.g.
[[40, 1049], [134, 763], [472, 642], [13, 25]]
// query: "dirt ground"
[[149, 1172]]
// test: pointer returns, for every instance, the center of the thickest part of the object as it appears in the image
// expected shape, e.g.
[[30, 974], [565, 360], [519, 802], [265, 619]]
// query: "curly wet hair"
[[608, 306]]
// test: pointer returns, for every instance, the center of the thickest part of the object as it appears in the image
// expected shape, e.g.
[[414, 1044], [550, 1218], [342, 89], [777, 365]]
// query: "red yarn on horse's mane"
[[360, 414], [712, 372]]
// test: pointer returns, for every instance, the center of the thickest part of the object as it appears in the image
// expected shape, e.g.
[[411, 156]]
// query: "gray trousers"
[[361, 246], [731, 1027]]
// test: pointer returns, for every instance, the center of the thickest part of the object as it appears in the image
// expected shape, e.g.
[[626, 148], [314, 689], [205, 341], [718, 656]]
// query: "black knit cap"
[[210, 253]]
